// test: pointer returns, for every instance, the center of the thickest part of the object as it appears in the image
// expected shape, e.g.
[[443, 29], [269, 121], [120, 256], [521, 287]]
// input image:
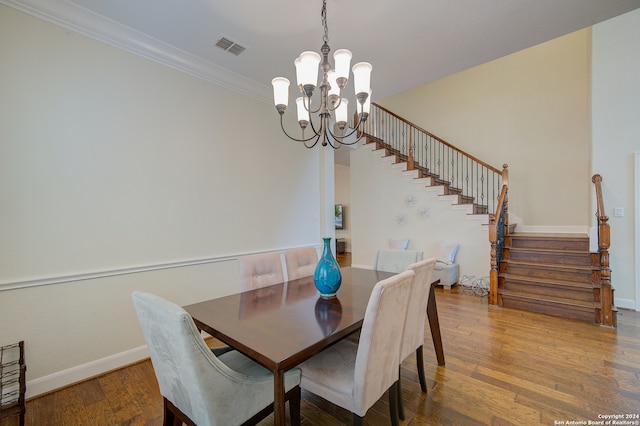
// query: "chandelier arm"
[[315, 134], [308, 108], [322, 125], [340, 139]]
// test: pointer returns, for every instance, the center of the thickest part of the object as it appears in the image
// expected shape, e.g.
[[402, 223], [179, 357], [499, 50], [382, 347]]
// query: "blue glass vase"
[[327, 276]]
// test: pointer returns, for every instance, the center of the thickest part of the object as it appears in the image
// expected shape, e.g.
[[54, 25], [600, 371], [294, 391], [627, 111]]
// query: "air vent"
[[230, 46]]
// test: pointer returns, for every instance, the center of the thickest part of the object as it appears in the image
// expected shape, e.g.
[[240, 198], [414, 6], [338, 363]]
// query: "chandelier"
[[332, 105]]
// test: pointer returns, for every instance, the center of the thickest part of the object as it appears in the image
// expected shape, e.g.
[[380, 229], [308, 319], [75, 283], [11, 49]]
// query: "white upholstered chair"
[[260, 270], [197, 386], [394, 260], [354, 376], [301, 262], [413, 335]]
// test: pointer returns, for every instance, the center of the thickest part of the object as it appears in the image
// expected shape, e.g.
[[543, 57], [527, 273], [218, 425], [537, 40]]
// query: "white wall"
[[116, 174], [616, 137], [382, 194]]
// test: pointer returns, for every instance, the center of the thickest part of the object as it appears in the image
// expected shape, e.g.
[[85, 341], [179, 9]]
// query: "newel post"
[[493, 273]]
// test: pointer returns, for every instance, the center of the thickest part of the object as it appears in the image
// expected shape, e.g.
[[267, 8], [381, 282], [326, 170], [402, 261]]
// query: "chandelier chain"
[[325, 38]]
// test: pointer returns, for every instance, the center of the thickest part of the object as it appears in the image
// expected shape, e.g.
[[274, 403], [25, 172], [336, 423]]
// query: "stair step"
[[552, 271], [549, 256], [548, 241], [557, 306], [547, 288]]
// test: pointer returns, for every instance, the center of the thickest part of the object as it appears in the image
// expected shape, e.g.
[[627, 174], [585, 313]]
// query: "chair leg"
[[169, 417], [399, 393], [294, 406], [393, 404], [420, 361], [357, 420]]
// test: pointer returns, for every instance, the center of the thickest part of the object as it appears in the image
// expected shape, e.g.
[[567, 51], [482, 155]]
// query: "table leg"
[[278, 398], [434, 324]]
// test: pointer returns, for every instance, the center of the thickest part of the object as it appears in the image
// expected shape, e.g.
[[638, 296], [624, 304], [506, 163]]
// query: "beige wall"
[[529, 110], [117, 174]]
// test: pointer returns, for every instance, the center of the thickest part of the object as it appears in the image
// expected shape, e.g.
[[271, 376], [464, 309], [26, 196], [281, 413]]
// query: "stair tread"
[[548, 281], [549, 250], [541, 265], [546, 299], [577, 235]]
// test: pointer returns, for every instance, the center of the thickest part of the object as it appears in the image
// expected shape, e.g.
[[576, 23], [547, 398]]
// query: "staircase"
[[549, 273], [553, 274]]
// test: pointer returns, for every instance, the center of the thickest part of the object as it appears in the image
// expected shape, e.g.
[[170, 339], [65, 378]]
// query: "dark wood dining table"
[[282, 325]]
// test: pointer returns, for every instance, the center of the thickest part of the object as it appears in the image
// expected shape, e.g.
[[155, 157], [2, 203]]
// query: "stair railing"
[[498, 232], [464, 174], [607, 315]]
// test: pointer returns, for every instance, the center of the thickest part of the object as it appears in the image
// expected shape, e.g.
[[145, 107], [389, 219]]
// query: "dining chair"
[[197, 386], [413, 334], [260, 270], [355, 376], [300, 262], [394, 260]]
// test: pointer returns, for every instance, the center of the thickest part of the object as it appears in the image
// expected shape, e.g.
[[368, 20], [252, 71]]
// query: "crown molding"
[[68, 15]]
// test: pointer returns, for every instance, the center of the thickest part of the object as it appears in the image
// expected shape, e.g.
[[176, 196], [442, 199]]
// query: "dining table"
[[282, 325]]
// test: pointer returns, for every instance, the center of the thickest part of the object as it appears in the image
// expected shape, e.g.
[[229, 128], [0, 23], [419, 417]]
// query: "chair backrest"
[[394, 260], [413, 335], [378, 357], [300, 262], [260, 270], [189, 375]]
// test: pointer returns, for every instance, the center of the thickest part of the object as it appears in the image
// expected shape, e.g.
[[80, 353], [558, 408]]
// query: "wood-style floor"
[[503, 367]]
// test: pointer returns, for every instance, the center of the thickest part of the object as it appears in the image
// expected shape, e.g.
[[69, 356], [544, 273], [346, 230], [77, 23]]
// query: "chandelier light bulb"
[[342, 59], [303, 113], [366, 108], [362, 77], [307, 69], [280, 93], [341, 113]]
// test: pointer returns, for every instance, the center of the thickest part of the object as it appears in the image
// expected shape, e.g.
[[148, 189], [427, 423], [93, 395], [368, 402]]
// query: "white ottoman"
[[448, 274]]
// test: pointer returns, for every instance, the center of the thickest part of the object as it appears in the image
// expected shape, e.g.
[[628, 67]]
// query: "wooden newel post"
[[607, 314], [493, 274]]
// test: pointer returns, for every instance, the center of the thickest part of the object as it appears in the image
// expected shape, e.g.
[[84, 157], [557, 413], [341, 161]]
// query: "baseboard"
[[626, 304], [353, 265], [83, 372], [554, 229]]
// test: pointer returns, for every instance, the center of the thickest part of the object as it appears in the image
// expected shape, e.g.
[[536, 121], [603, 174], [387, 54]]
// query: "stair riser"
[[550, 273], [560, 310], [550, 244], [582, 294], [559, 258]]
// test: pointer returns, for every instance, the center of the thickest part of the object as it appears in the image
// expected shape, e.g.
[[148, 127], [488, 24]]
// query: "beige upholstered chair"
[[394, 260], [197, 386], [413, 335], [300, 262], [354, 376], [260, 270]]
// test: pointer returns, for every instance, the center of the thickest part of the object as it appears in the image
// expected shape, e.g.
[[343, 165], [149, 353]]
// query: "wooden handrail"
[[607, 310], [493, 169]]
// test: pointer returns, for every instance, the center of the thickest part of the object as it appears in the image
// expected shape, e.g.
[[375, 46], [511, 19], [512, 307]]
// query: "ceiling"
[[408, 42]]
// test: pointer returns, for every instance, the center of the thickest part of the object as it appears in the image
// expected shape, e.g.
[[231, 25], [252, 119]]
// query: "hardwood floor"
[[503, 367]]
